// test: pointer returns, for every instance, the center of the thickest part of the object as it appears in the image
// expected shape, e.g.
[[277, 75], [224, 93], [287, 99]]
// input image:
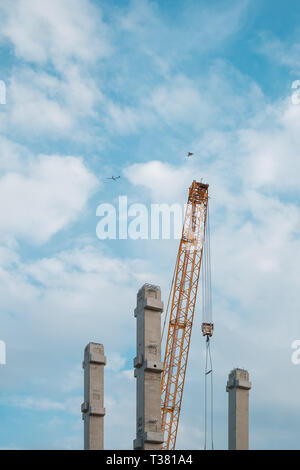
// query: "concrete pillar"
[[92, 408], [148, 368], [238, 387]]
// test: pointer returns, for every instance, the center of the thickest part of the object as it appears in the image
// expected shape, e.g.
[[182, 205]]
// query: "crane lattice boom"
[[183, 299]]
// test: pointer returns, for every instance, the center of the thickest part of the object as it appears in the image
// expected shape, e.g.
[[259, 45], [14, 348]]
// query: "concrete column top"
[[238, 378], [94, 353], [149, 296]]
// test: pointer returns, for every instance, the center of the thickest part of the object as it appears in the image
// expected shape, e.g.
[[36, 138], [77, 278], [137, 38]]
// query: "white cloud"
[[40, 404], [163, 181], [69, 442], [55, 31], [202, 28], [116, 362], [222, 97], [181, 101], [190, 437], [73, 291], [53, 305], [34, 111], [61, 303], [10, 155], [48, 195], [70, 405], [73, 379], [271, 149], [254, 191], [283, 52], [54, 106], [124, 120], [68, 37], [128, 374]]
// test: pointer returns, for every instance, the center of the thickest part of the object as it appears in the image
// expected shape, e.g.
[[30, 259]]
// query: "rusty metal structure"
[[182, 303]]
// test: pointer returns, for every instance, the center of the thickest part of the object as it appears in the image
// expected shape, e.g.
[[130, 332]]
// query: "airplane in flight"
[[113, 178]]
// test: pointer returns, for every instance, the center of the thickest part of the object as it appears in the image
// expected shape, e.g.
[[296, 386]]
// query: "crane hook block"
[[207, 329]]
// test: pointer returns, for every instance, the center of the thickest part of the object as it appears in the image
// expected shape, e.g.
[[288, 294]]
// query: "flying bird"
[[114, 178], [189, 154]]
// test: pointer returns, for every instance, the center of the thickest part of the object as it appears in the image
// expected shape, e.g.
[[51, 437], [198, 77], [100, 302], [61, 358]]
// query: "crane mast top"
[[183, 300]]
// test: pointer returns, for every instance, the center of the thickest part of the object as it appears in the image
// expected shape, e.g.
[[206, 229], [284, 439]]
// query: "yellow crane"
[[183, 296]]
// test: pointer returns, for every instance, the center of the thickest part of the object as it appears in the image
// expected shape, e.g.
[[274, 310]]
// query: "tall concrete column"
[[92, 408], [238, 387], [148, 368]]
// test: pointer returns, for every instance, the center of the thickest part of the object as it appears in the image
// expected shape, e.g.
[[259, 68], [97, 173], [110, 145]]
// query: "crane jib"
[[182, 303]]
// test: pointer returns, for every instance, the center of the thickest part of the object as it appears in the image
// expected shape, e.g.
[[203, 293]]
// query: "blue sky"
[[95, 88]]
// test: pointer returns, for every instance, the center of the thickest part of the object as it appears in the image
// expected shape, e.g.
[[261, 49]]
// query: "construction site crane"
[[183, 296]]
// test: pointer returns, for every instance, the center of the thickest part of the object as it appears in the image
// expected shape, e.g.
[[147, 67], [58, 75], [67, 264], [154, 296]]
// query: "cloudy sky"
[[96, 88]]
